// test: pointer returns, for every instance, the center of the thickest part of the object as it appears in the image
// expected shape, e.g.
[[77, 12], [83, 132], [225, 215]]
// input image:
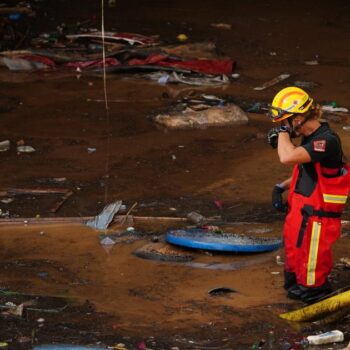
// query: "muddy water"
[[150, 298], [137, 293], [57, 114]]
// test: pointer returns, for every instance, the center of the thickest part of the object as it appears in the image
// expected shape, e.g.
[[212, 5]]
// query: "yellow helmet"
[[289, 101]]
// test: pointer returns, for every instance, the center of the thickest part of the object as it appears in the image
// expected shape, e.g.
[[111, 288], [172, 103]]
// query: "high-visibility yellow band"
[[334, 198], [311, 266]]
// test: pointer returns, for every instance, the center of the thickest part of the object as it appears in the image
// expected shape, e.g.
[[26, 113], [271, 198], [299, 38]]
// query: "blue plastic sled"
[[224, 242]]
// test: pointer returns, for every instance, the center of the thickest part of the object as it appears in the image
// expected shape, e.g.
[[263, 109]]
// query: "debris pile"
[[82, 50], [202, 112]]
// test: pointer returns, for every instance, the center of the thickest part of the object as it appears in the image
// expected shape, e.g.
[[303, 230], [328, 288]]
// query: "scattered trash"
[[218, 203], [273, 53], [305, 84], [4, 214], [7, 200], [91, 150], [15, 310], [335, 336], [129, 38], [57, 180], [43, 274], [346, 127], [22, 64], [163, 252], [25, 149], [164, 78], [141, 346], [279, 260], [272, 82], [107, 241], [331, 108], [275, 272], [102, 221], [229, 114], [4, 146], [345, 262], [221, 26], [196, 218], [311, 63], [176, 78], [235, 75], [182, 37], [220, 291]]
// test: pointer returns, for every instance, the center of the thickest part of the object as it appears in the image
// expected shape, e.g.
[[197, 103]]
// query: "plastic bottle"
[[326, 338]]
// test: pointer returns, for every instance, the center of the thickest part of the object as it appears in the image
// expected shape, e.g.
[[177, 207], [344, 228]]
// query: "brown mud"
[[115, 297]]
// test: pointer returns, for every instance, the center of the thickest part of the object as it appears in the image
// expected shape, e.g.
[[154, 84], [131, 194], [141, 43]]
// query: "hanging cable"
[[106, 177]]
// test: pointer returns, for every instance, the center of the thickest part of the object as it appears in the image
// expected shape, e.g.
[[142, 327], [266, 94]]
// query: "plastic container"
[[326, 338]]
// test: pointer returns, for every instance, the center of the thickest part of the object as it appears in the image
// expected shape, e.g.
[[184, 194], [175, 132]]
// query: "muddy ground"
[[88, 295]]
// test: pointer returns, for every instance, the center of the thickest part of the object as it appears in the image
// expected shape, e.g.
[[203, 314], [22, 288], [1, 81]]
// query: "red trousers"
[[312, 226]]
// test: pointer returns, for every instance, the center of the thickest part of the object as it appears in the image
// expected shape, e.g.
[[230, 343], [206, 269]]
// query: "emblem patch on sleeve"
[[319, 146]]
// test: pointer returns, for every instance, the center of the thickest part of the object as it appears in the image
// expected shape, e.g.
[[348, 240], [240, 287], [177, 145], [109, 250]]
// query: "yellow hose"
[[317, 310]]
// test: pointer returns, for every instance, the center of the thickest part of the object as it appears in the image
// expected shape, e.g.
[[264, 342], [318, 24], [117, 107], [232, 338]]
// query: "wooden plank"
[[83, 220], [59, 203], [37, 191]]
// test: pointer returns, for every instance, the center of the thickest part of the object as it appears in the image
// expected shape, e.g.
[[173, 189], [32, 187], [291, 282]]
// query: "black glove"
[[272, 135], [277, 200]]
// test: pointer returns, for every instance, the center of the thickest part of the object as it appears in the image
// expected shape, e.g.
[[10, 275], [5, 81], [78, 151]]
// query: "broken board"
[[225, 242]]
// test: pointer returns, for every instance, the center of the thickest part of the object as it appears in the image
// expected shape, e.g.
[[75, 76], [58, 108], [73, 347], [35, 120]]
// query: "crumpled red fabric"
[[109, 62], [215, 67], [36, 58]]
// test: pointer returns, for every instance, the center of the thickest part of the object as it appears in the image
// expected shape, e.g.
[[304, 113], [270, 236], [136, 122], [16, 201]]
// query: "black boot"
[[309, 295], [289, 279], [295, 292]]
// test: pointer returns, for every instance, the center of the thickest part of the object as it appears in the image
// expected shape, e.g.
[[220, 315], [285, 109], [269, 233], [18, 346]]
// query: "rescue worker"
[[318, 190]]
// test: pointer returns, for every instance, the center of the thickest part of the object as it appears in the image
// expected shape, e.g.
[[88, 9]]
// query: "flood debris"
[[196, 218], [229, 114], [272, 82], [311, 63], [25, 149], [182, 37], [161, 251], [131, 39], [221, 291], [176, 77], [333, 108], [124, 53], [102, 221], [305, 84], [335, 336], [4, 146], [66, 194], [221, 26], [59, 203], [127, 236]]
